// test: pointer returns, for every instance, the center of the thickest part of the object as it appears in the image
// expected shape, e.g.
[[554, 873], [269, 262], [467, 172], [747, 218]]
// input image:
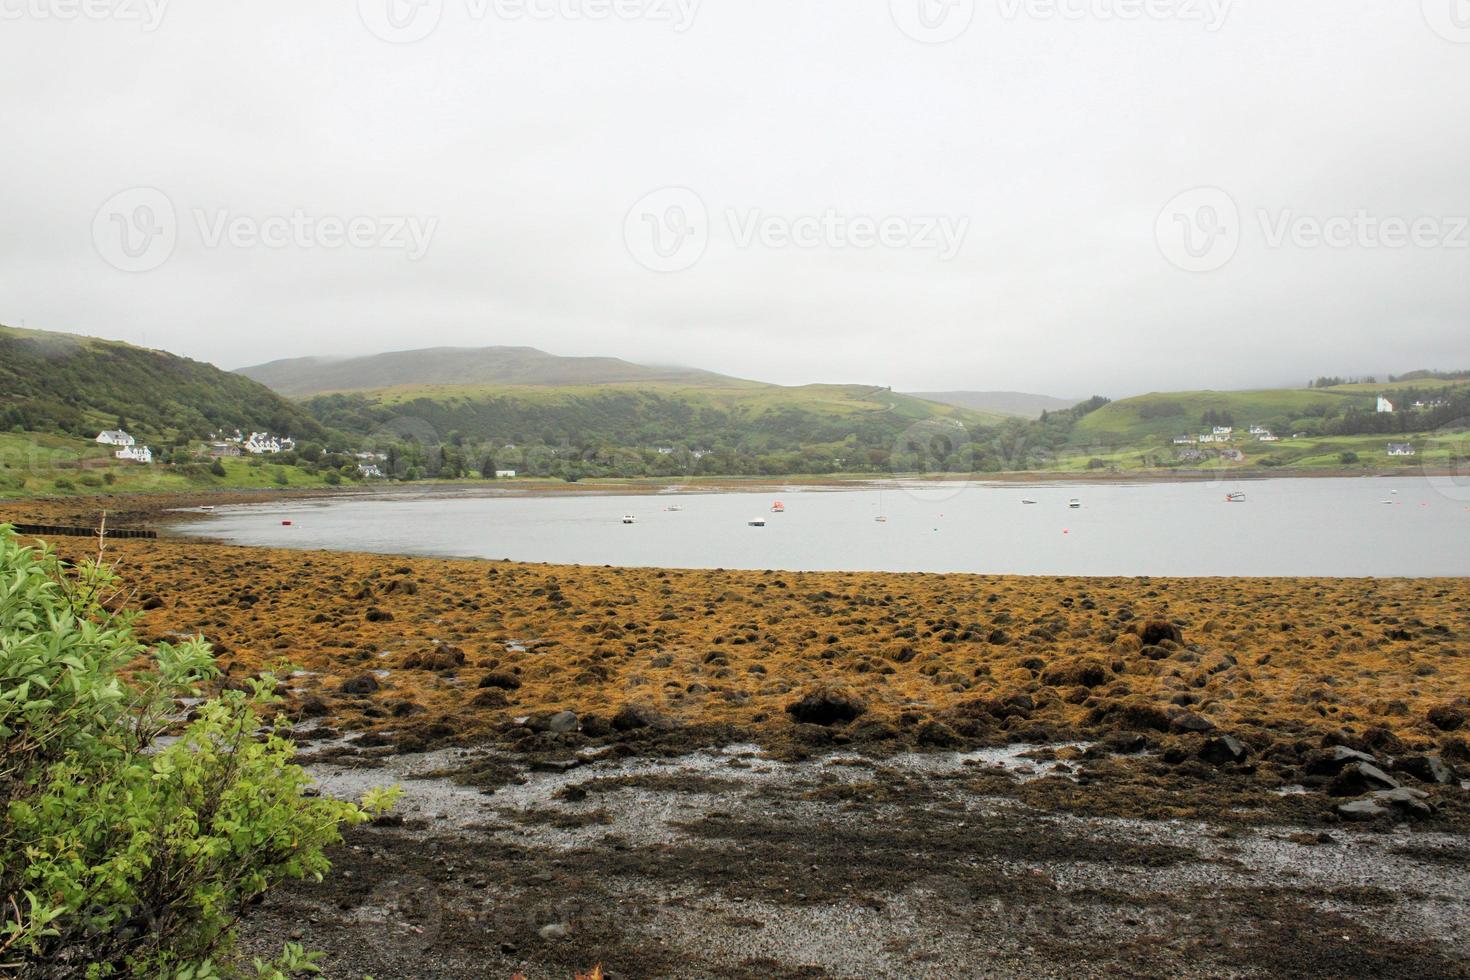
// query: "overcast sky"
[[1068, 197]]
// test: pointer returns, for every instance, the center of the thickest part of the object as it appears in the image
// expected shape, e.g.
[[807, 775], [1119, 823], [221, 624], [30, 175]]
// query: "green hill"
[[303, 376], [64, 383], [739, 417], [1342, 410]]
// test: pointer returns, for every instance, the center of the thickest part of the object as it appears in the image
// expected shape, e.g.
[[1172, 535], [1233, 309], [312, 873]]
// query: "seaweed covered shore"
[[772, 774]]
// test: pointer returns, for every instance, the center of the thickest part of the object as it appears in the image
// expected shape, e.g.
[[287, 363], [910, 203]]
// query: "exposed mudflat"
[[728, 863], [748, 774]]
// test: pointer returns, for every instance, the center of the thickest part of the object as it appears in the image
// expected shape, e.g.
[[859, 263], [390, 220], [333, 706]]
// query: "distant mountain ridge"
[[464, 367], [1014, 403]]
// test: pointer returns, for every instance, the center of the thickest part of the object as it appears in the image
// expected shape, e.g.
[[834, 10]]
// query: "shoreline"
[[149, 509], [714, 774]]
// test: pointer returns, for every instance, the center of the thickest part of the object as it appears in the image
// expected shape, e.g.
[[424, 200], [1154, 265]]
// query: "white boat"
[[629, 519], [881, 519], [1075, 504], [674, 508], [757, 522], [1235, 498]]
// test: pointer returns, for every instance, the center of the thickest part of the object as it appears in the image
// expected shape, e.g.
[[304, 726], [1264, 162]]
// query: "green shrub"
[[64, 484], [120, 855], [217, 468], [1347, 459], [90, 480]]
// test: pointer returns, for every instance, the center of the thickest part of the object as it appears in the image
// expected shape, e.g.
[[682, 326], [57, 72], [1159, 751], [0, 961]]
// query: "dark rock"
[[1156, 631], [562, 722], [1126, 743], [361, 684], [1360, 778], [376, 615], [1409, 802], [312, 706], [1148, 717], [1188, 721], [1075, 673], [1447, 718], [1224, 749], [492, 698], [1426, 769], [152, 602], [1335, 760], [1361, 810], [827, 706], [502, 680], [633, 717], [936, 734], [439, 658]]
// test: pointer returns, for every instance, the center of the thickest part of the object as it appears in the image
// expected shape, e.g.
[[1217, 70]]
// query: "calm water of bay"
[[1311, 527]]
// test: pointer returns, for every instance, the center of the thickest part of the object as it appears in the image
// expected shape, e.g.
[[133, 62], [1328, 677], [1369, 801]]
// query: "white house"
[[1184, 440], [1401, 449], [135, 454], [505, 474], [1385, 407], [115, 437], [1206, 438], [369, 471], [1224, 431], [263, 444], [1260, 430], [1267, 437]]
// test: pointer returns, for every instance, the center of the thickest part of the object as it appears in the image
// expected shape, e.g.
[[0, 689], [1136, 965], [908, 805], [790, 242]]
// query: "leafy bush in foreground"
[[123, 853]]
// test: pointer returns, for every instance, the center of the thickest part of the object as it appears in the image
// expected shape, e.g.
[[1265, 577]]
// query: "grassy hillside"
[[1170, 414], [743, 417], [300, 377], [67, 384]]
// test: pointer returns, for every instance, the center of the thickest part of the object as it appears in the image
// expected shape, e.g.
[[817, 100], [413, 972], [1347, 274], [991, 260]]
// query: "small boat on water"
[[629, 519], [778, 508], [881, 519], [757, 522], [1235, 498], [1075, 504], [1028, 501], [674, 508]]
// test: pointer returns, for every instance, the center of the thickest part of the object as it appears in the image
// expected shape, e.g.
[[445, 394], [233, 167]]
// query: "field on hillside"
[[1169, 414], [41, 464]]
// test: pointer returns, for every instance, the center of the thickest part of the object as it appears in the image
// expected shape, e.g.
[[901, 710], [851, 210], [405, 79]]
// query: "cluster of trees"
[[875, 443]]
